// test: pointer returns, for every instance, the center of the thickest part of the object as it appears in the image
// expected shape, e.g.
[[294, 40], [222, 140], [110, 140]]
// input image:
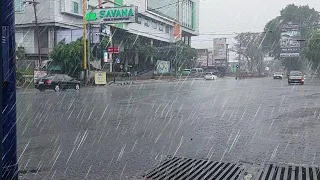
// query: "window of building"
[[75, 7], [167, 29], [160, 27], [154, 24], [18, 5], [147, 22], [139, 19]]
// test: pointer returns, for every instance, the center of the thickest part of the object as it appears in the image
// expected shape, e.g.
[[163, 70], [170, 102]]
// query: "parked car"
[[210, 76], [185, 72], [57, 82], [295, 77], [277, 75]]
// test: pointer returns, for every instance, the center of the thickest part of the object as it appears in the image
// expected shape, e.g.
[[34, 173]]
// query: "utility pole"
[[207, 51], [85, 40], [34, 4]]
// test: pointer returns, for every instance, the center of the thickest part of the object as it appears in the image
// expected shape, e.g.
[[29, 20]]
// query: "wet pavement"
[[120, 132]]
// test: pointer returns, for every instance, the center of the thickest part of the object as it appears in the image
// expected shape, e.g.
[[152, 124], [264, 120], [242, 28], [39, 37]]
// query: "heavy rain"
[[171, 89]]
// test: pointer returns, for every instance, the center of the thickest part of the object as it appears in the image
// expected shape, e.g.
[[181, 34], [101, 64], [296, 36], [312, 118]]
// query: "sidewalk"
[[148, 81]]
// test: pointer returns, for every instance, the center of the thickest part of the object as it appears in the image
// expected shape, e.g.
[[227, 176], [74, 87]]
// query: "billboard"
[[162, 67], [220, 48], [289, 44], [124, 14]]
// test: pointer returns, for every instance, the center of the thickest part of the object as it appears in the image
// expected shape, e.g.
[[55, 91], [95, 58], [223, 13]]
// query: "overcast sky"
[[234, 16]]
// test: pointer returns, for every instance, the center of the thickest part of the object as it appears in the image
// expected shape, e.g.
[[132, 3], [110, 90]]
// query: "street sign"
[[118, 60], [113, 50], [105, 57], [100, 77]]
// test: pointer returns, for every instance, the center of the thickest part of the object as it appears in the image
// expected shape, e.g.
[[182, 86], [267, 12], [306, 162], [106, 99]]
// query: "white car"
[[277, 75], [210, 76]]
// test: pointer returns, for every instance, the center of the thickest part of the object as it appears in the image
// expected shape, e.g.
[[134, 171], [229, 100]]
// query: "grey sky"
[[230, 16]]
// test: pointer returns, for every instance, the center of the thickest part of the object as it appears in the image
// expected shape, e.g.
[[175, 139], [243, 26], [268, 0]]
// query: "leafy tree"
[[306, 17], [312, 51], [249, 45], [69, 56], [20, 53]]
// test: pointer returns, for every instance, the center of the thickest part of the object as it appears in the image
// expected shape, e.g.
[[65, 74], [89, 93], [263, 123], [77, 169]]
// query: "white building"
[[156, 19]]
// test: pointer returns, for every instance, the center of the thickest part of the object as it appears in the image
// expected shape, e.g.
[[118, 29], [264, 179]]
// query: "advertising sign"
[[100, 78], [113, 50], [162, 67], [220, 48], [177, 31], [289, 44], [111, 15], [105, 57]]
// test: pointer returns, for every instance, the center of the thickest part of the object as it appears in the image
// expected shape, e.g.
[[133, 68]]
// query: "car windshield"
[[295, 73], [160, 89]]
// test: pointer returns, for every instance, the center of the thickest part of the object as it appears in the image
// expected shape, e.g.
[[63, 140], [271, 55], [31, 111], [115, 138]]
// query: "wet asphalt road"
[[120, 132]]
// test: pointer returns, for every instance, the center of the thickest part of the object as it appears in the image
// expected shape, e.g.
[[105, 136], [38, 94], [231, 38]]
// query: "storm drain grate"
[[274, 172], [178, 168]]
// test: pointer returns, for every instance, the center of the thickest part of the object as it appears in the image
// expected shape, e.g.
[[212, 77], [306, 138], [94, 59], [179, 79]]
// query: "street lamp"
[[34, 4]]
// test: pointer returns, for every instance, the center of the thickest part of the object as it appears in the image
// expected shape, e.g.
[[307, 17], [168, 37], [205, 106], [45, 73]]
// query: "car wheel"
[[42, 89], [302, 83], [56, 88], [289, 83], [77, 87]]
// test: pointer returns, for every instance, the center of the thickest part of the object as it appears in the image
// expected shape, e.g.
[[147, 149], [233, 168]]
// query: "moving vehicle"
[[277, 75], [210, 76], [57, 82], [198, 72], [295, 77], [185, 72]]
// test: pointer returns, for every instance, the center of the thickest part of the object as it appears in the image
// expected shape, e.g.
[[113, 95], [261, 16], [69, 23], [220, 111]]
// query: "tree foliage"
[[69, 56], [306, 17], [185, 55], [249, 45], [20, 53], [312, 51]]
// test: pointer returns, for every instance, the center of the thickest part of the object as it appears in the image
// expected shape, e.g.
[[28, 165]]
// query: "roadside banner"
[[289, 44], [100, 78]]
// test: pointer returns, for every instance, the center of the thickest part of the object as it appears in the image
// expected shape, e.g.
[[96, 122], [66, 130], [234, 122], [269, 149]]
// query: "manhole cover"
[[188, 169], [288, 173], [181, 168]]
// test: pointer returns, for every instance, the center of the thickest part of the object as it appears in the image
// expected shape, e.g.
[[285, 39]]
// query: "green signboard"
[[112, 15]]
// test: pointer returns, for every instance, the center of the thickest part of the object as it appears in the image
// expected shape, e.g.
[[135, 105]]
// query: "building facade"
[[62, 19]]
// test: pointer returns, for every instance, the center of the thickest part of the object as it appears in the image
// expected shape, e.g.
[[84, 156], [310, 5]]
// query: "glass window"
[[147, 22], [67, 78], [160, 27], [167, 29], [18, 5], [75, 7], [154, 25], [139, 19]]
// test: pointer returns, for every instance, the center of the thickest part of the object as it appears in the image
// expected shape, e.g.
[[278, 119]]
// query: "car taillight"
[[48, 81]]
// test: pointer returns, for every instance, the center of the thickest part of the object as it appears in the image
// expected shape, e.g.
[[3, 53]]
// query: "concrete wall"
[[25, 38]]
